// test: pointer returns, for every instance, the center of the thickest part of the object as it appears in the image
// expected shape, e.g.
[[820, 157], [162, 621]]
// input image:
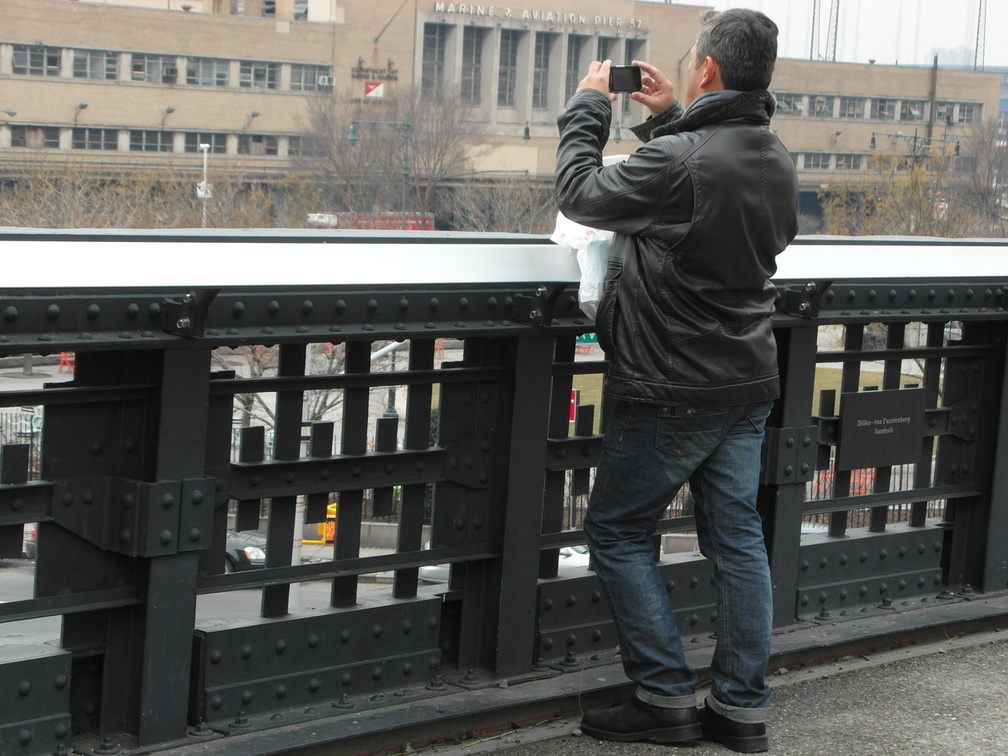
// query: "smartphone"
[[624, 79]]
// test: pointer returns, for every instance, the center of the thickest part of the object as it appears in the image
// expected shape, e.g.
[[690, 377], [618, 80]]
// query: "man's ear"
[[710, 76]]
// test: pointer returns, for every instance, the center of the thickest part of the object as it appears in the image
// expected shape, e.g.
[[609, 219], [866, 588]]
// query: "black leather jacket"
[[700, 212]]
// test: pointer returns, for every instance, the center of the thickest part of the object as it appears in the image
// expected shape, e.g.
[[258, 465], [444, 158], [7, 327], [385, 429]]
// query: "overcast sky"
[[890, 31]]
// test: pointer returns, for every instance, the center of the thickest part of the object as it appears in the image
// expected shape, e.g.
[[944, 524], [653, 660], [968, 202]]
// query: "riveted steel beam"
[[34, 699]]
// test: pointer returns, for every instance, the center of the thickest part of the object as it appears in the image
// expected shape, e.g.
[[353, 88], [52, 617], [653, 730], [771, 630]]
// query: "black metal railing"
[[254, 389]]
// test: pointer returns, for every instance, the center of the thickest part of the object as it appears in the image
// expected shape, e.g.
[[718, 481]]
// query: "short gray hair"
[[743, 42]]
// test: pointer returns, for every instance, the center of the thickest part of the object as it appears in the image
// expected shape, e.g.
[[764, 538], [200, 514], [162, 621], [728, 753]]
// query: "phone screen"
[[624, 79]]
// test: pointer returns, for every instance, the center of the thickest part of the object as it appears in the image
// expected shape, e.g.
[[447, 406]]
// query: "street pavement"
[[939, 699]]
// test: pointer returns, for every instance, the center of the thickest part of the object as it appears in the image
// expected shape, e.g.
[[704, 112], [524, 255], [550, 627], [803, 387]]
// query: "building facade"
[[135, 86]]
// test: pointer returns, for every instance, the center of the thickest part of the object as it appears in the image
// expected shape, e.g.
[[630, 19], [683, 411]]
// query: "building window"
[[208, 72], [217, 142], [507, 72], [634, 50], [305, 78], [822, 107], [944, 111], [573, 73], [605, 48], [36, 60], [156, 69], [35, 137], [258, 144], [151, 141], [817, 161], [432, 68], [789, 104], [95, 64], [94, 139], [852, 107], [848, 162], [540, 69], [303, 146], [472, 64], [257, 73], [883, 110], [969, 112], [912, 110]]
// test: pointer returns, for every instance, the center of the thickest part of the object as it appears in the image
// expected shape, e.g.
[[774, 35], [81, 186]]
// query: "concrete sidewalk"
[[939, 699]]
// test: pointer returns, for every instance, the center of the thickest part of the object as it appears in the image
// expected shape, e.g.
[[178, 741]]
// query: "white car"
[[570, 556]]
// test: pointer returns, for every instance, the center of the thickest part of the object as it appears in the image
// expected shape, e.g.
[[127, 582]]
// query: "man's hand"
[[657, 93], [598, 78]]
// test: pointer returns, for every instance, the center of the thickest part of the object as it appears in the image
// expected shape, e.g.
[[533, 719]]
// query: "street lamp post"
[[918, 145], [203, 189], [404, 128]]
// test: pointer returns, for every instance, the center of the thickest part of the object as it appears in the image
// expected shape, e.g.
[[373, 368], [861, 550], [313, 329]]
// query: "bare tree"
[[422, 139], [77, 195], [516, 203], [933, 191], [445, 140], [986, 179]]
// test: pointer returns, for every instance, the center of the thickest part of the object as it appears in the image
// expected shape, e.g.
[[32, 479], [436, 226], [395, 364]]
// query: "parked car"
[[570, 556], [30, 545], [244, 551]]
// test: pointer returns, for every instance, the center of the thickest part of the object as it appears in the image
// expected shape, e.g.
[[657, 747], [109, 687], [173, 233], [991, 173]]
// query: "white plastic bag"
[[592, 248]]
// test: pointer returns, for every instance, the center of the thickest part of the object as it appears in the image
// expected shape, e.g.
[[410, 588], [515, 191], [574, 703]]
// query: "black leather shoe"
[[744, 737], [636, 720]]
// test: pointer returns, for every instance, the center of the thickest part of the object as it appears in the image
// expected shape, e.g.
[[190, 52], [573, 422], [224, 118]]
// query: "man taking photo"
[[699, 212]]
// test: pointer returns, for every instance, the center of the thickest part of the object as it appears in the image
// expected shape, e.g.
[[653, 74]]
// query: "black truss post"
[[895, 335], [781, 502], [559, 428], [973, 388], [286, 446], [354, 441], [932, 393], [516, 625], [995, 574], [417, 436], [850, 381], [469, 503], [145, 685]]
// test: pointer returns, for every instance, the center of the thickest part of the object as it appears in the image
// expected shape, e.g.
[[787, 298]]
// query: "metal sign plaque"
[[880, 428]]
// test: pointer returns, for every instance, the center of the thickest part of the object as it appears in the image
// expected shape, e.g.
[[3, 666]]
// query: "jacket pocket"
[[608, 316]]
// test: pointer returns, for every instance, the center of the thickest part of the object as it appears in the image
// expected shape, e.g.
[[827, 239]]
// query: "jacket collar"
[[756, 103]]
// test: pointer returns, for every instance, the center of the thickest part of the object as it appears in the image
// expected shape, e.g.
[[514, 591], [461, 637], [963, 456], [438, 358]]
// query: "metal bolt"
[[183, 324], [541, 291], [810, 287], [343, 703], [570, 660], [190, 297], [805, 307], [535, 315], [437, 683]]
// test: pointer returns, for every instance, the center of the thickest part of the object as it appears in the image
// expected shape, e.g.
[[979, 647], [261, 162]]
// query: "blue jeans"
[[648, 452]]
